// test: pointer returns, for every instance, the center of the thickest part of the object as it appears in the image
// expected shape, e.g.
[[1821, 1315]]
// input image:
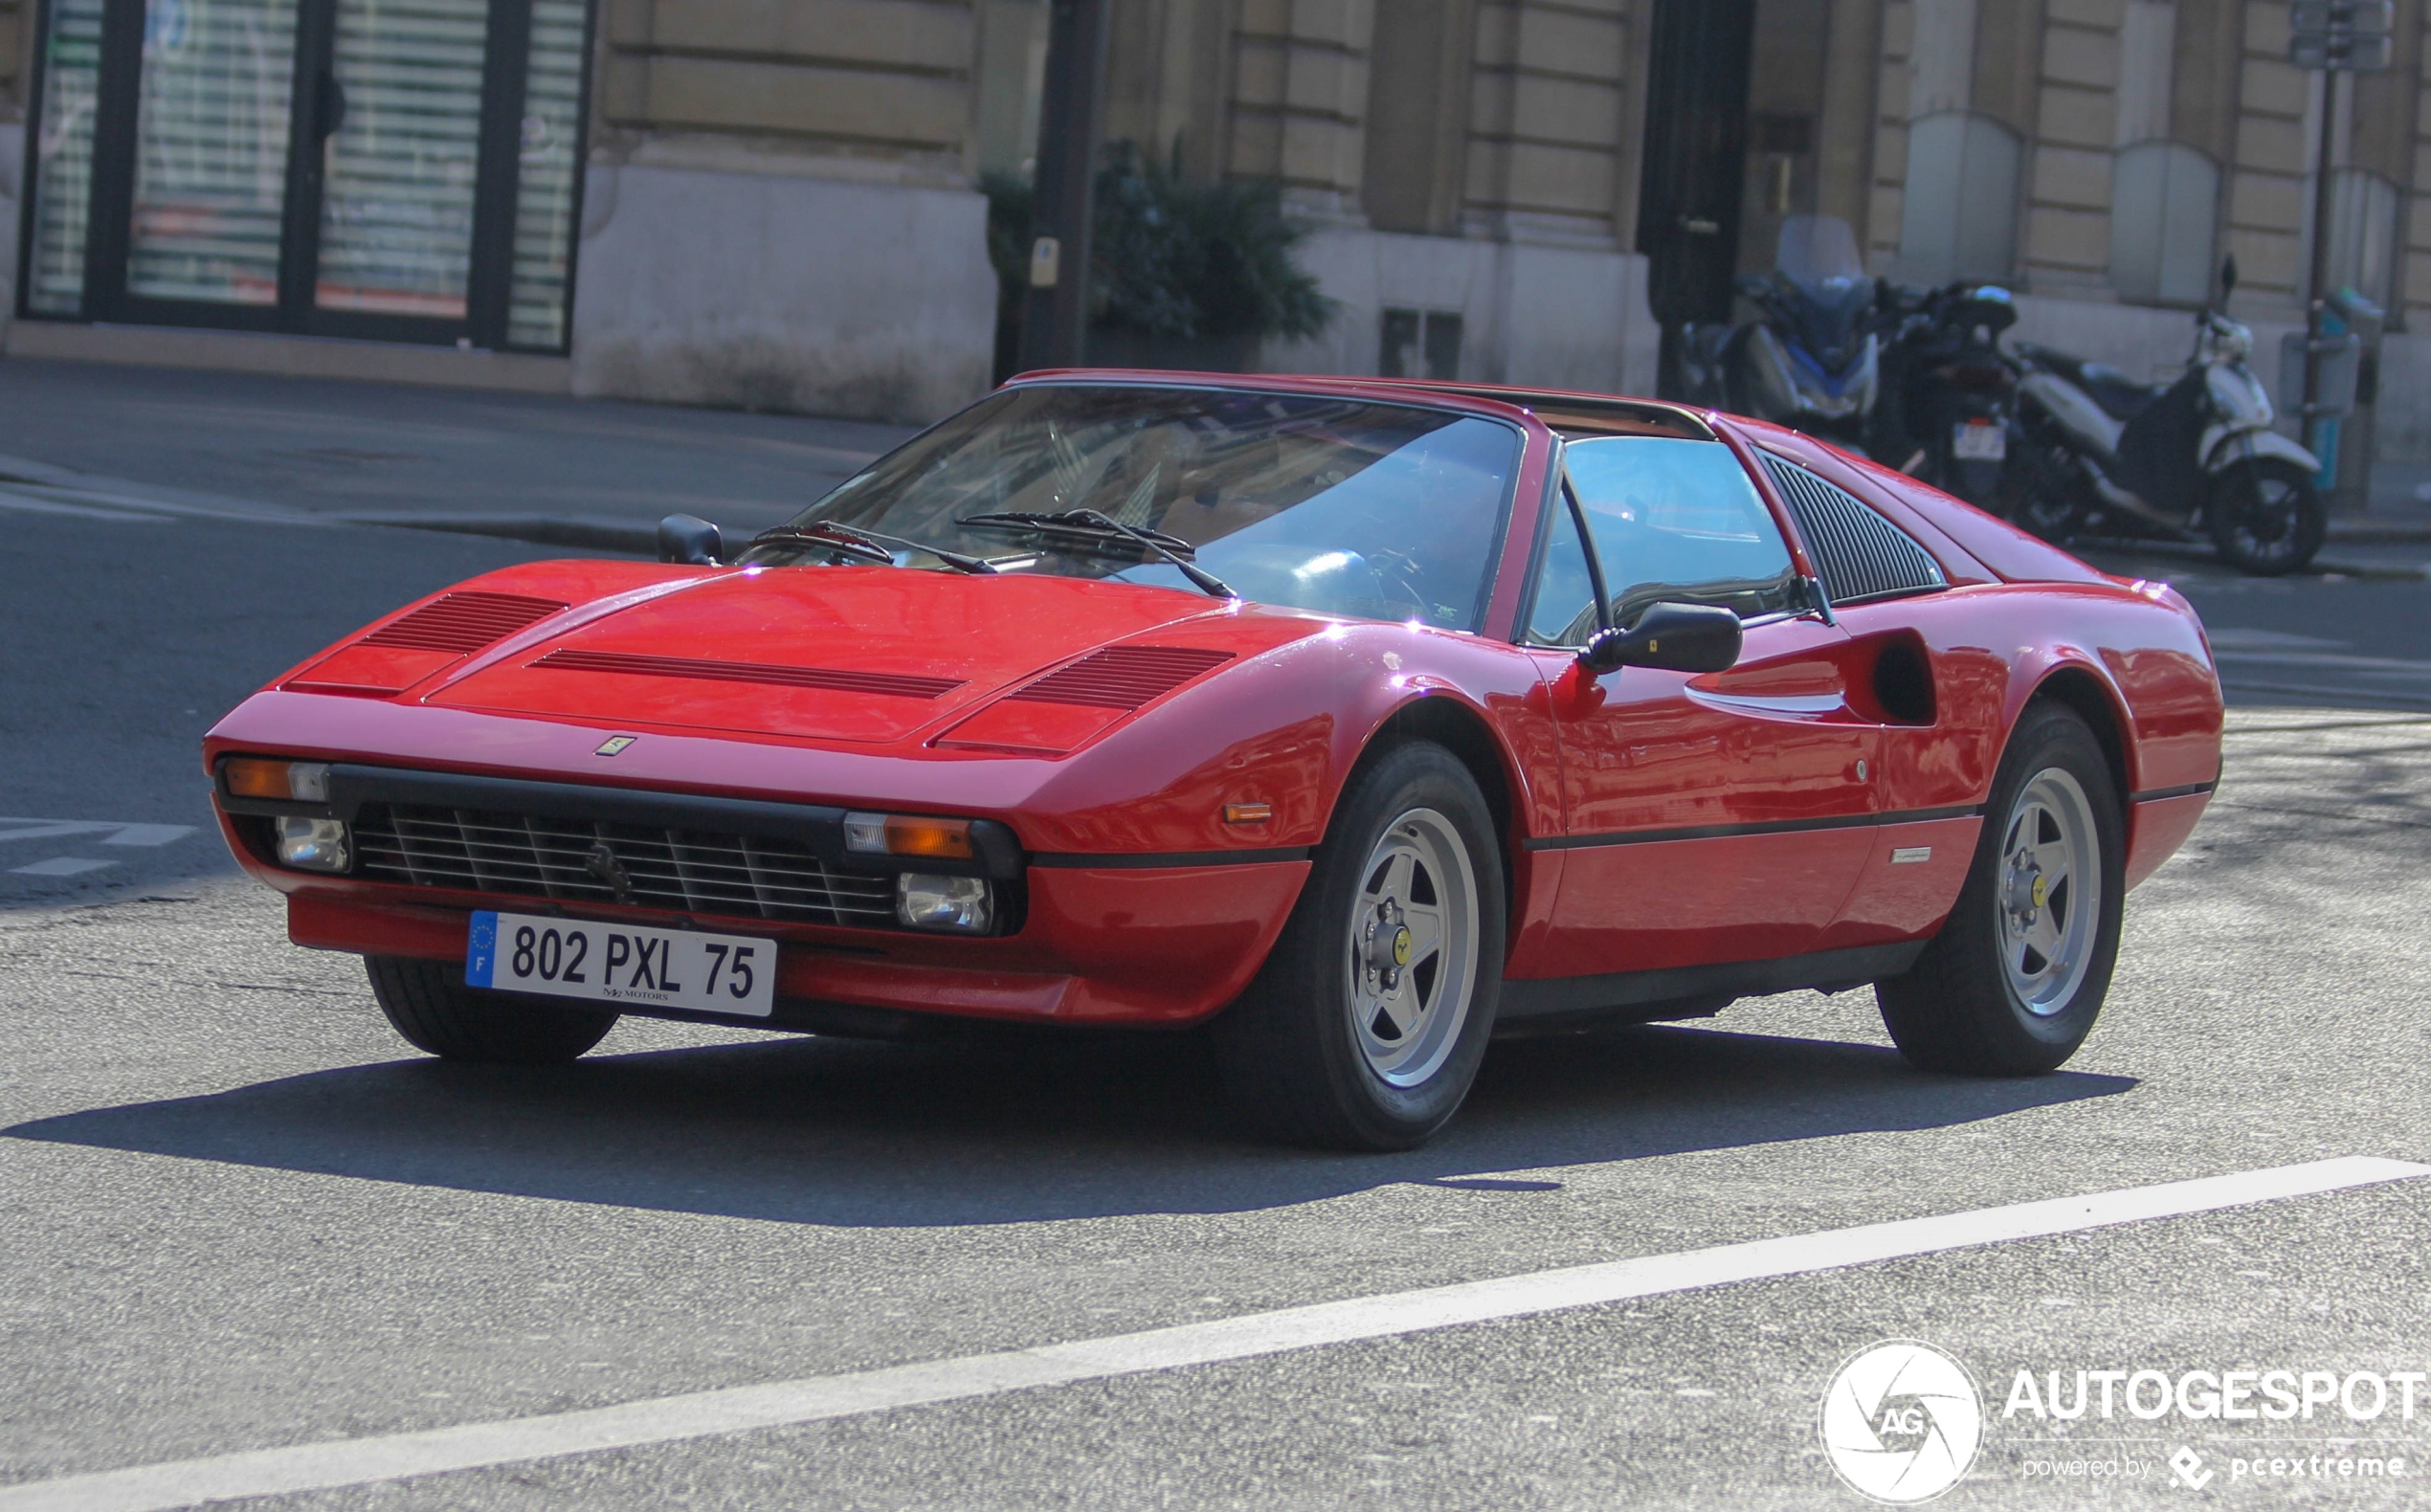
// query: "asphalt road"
[[241, 1216]]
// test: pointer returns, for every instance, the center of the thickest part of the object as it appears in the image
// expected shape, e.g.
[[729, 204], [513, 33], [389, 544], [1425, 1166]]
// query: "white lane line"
[[734, 1409], [61, 866], [117, 831]]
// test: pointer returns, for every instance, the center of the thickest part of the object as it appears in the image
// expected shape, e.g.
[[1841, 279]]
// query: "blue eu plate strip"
[[480, 952]]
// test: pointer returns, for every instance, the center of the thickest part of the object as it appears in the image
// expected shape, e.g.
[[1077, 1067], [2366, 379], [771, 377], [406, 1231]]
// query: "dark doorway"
[[1690, 188]]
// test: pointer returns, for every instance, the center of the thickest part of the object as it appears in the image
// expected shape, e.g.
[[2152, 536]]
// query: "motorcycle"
[[1811, 359], [2102, 454], [1948, 403]]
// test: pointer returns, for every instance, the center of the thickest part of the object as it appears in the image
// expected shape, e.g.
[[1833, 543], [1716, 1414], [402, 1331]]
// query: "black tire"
[[1294, 1059], [1958, 1009], [429, 1004], [2267, 517]]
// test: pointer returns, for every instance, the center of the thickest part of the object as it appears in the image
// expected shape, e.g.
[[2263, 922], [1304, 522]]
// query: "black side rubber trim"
[[1722, 832], [2186, 791], [1544, 996], [1145, 860]]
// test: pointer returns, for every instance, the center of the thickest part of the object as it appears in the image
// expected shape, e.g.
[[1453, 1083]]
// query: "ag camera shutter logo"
[[1901, 1421]]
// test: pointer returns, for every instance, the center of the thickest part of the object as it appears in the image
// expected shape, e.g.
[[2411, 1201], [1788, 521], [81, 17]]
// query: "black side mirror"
[[1674, 637], [690, 540]]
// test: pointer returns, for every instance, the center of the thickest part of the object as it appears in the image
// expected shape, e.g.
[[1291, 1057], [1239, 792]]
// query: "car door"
[[1714, 817]]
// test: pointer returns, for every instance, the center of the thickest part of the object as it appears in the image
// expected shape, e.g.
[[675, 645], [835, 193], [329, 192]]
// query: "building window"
[[1417, 114], [1420, 344], [61, 203], [1959, 219], [390, 169], [2363, 232], [2164, 215]]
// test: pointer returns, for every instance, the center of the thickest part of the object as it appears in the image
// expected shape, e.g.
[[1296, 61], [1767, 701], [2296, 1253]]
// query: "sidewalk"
[[600, 471]]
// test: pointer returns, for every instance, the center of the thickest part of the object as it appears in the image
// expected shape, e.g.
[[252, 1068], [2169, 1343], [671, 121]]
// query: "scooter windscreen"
[[1817, 258]]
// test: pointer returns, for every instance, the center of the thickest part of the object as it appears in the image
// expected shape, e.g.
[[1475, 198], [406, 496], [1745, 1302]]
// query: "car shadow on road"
[[835, 1132]]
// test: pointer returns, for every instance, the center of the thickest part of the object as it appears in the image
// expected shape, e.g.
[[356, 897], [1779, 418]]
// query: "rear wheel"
[[2267, 516], [429, 1004], [2014, 981], [1366, 1026]]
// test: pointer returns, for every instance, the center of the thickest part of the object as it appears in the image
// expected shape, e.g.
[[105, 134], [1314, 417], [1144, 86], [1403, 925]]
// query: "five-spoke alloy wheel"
[[2014, 981], [1365, 1027]]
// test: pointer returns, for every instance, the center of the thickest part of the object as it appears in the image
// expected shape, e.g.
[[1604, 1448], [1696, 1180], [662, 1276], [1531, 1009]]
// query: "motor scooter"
[[2104, 454], [1948, 401]]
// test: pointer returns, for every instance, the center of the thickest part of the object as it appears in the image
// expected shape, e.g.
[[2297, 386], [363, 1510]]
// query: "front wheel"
[[1366, 1026], [2013, 983], [427, 1003], [2268, 516]]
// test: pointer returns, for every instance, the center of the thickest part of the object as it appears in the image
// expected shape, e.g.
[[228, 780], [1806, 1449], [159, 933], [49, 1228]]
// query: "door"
[[1695, 161], [1710, 818], [392, 169]]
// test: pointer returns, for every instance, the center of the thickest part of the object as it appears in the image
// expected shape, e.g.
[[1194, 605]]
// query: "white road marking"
[[61, 866], [117, 831], [149, 835], [735, 1409]]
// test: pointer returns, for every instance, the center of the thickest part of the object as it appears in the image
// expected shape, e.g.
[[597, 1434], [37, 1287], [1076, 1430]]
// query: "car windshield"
[[1373, 511]]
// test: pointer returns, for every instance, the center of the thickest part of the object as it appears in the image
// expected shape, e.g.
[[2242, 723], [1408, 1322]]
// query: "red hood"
[[861, 655]]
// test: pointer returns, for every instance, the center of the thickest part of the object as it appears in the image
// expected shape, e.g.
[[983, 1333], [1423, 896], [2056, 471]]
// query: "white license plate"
[[621, 964], [1979, 443]]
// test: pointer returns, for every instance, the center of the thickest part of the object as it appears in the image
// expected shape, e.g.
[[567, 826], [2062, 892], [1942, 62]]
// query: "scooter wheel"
[[2268, 516]]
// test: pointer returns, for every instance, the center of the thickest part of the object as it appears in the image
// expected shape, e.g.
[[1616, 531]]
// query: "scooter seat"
[[2120, 396]]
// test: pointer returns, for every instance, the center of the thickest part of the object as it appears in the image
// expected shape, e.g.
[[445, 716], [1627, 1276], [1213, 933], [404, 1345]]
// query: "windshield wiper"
[[1091, 525], [870, 546]]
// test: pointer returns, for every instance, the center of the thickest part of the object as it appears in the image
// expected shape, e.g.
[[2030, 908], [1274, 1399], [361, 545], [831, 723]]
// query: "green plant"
[[1170, 258]]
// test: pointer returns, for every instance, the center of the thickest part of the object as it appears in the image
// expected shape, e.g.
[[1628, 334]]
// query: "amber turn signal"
[[908, 834], [250, 777], [282, 780], [1248, 813]]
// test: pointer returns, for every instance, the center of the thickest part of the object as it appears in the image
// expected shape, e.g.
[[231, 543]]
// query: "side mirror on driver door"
[[689, 539], [1674, 637]]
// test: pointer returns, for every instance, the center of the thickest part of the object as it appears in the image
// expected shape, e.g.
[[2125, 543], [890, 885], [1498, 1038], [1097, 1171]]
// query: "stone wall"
[[779, 211]]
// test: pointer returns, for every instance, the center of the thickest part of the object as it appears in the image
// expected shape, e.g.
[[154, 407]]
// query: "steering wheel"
[[1398, 570]]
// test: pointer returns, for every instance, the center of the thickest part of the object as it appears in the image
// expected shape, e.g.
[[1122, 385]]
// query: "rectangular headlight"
[[313, 845], [963, 904]]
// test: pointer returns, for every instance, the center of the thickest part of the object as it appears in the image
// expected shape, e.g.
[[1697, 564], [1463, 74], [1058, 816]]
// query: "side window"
[[1565, 611], [1679, 521]]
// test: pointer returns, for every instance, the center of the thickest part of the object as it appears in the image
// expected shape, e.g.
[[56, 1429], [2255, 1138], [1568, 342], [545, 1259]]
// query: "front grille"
[[696, 871]]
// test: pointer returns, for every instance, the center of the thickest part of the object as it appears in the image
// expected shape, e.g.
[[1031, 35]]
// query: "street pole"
[[2317, 283], [1056, 316]]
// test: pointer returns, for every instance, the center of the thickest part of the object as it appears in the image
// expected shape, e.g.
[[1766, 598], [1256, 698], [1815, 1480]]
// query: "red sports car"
[[1355, 720]]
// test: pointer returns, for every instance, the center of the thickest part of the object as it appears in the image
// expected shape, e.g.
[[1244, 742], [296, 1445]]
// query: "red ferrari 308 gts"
[[1355, 720]]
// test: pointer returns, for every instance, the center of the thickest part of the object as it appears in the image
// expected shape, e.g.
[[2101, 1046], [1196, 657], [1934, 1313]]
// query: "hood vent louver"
[[895, 684], [1120, 677], [460, 624]]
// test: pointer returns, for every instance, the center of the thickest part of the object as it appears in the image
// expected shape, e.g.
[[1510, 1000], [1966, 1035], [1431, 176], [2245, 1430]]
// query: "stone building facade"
[[776, 206]]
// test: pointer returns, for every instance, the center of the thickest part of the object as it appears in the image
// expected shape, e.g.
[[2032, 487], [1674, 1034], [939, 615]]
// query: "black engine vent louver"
[[1861, 554]]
